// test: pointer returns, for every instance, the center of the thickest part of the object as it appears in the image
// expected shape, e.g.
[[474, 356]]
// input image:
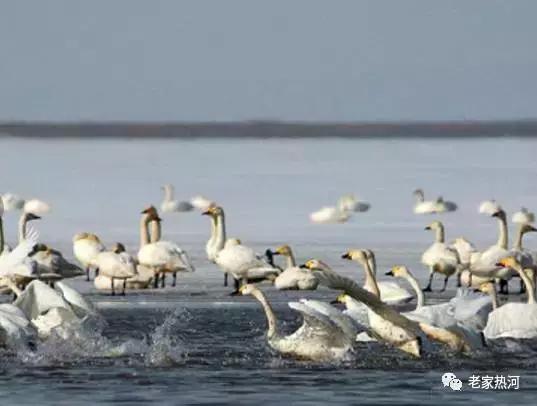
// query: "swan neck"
[[1, 235], [417, 289], [502, 237], [518, 241], [156, 231], [22, 227], [271, 318], [494, 297], [291, 262], [528, 283], [440, 234], [144, 230], [220, 231], [370, 280], [168, 193]]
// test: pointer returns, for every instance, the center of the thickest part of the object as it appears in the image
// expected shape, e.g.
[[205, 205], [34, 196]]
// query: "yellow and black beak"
[[389, 273], [427, 228], [346, 256]]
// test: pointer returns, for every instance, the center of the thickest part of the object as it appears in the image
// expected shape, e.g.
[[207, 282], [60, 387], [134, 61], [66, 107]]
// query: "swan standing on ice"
[[116, 264], [37, 206], [484, 264], [439, 205], [12, 202], [513, 320], [439, 257], [86, 247], [169, 205], [239, 260], [293, 277], [160, 256], [325, 334]]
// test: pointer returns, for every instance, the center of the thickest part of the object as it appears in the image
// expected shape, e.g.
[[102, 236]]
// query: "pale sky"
[[301, 60]]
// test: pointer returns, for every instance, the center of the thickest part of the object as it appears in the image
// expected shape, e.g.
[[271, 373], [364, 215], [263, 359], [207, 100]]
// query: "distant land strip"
[[270, 129]]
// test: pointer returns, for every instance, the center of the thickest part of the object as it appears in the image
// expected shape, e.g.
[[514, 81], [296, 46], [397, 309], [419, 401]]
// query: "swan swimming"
[[293, 277], [439, 205], [325, 334], [169, 205]]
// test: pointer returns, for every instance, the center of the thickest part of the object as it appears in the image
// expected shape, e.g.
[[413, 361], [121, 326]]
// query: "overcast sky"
[[279, 59]]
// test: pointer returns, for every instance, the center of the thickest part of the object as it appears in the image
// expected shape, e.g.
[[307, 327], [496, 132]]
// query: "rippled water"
[[195, 344]]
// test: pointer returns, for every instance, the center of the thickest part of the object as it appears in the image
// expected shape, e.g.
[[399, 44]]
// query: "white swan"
[[439, 257], [169, 205], [386, 323], [330, 215], [12, 202], [513, 320], [161, 256], [52, 265], [37, 206], [524, 256], [116, 264], [293, 277], [324, 335], [390, 292], [439, 205], [524, 216], [484, 264], [86, 247], [239, 260]]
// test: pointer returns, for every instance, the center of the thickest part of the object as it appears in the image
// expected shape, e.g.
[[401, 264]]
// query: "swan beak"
[[304, 266], [427, 228], [496, 214], [270, 252], [531, 228], [335, 301], [207, 213], [346, 256], [32, 216], [389, 273]]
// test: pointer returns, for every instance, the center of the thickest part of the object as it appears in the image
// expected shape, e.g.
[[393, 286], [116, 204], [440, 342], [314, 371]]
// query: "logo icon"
[[451, 380]]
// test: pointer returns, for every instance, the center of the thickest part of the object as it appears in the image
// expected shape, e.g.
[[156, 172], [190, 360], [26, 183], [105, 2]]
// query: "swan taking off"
[[169, 205], [116, 264], [325, 335], [513, 320], [439, 257], [12, 202], [293, 277], [439, 205]]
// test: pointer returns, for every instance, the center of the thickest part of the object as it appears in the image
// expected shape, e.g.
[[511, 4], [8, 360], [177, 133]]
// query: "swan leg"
[[113, 290], [225, 279], [155, 281], [96, 272], [124, 287], [87, 273], [174, 279], [459, 276], [504, 286], [428, 288], [237, 286], [163, 280], [445, 284]]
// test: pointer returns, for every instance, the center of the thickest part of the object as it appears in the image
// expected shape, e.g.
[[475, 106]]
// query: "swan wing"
[[315, 323], [392, 293], [21, 251], [344, 322], [512, 320]]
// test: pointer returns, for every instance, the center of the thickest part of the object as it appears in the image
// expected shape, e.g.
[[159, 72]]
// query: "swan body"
[[115, 264], [324, 335], [293, 277], [36, 206], [12, 202], [170, 205], [330, 215], [86, 247], [439, 205], [50, 261]]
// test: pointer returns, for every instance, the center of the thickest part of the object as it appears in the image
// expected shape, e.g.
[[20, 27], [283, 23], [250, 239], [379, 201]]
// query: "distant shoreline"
[[271, 129]]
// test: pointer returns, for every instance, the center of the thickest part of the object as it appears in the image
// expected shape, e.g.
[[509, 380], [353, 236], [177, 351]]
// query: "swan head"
[[508, 262], [118, 248], [31, 216], [435, 225], [499, 214], [150, 210], [247, 289], [315, 265], [284, 250], [487, 287], [355, 255], [398, 271], [419, 194], [527, 228], [213, 211], [342, 298]]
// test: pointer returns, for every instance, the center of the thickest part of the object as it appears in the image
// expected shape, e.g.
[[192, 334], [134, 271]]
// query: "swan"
[[524, 216], [439, 257], [350, 203], [15, 328], [439, 205], [169, 205], [202, 203], [37, 206], [86, 247], [293, 277], [12, 202], [466, 309], [390, 292], [239, 260], [512, 320], [116, 264], [484, 264], [465, 249], [386, 323], [330, 215], [160, 256], [325, 334], [524, 256]]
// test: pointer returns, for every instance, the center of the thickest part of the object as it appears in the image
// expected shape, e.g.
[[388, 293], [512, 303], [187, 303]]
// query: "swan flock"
[[36, 275]]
